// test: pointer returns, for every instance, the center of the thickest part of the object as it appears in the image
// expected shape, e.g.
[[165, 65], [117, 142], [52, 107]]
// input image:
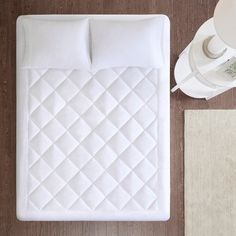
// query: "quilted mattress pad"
[[93, 146]]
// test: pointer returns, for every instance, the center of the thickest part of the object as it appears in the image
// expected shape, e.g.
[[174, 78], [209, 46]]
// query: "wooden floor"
[[185, 16]]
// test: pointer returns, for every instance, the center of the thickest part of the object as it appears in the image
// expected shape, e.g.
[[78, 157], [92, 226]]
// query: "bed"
[[93, 123]]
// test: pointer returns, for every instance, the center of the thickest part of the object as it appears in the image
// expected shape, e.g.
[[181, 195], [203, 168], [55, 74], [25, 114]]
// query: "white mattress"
[[93, 146]]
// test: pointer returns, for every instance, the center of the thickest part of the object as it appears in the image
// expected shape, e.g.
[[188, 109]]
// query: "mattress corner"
[[19, 19], [21, 215], [166, 216], [166, 19]]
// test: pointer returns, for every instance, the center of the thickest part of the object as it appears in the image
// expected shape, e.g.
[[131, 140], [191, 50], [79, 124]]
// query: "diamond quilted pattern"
[[132, 184], [80, 129], [32, 157], [40, 170], [106, 183], [132, 204], [54, 130], [106, 103], [152, 104], [145, 170], [106, 206], [35, 75], [40, 143], [118, 170], [145, 197], [92, 170], [40, 197], [93, 89], [33, 183], [93, 117], [80, 156], [91, 201], [53, 205], [131, 130], [102, 76], [54, 77], [67, 90], [106, 130], [151, 129], [132, 77], [54, 183], [67, 116], [119, 90], [76, 75], [41, 90], [34, 129], [145, 143], [145, 116], [33, 103], [105, 156], [66, 197], [80, 183], [80, 206], [119, 143], [41, 116], [131, 156], [93, 143], [66, 170], [119, 197], [53, 156], [82, 106], [132, 103], [66, 143], [145, 90], [119, 116], [92, 140], [54, 103]]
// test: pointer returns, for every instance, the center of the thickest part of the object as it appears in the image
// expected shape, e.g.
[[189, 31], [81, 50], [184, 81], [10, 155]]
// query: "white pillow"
[[56, 44], [127, 43]]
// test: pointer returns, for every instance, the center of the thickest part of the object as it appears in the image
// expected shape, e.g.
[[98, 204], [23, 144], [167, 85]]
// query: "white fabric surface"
[[88, 143], [56, 44], [121, 43]]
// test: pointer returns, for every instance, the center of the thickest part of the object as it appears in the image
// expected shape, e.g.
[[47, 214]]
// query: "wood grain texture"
[[185, 16]]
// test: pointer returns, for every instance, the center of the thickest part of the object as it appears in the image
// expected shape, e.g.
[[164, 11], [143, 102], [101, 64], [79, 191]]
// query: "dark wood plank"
[[186, 16]]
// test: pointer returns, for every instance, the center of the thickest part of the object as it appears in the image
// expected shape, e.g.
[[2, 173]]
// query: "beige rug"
[[210, 173]]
